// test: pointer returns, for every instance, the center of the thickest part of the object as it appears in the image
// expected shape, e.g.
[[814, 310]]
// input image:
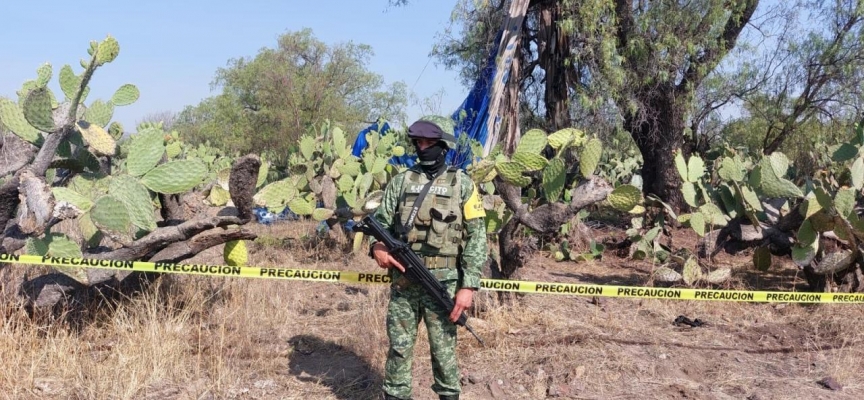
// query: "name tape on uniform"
[[486, 284]]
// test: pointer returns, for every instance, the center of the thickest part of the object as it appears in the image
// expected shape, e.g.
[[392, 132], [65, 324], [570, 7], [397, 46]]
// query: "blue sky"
[[171, 49]]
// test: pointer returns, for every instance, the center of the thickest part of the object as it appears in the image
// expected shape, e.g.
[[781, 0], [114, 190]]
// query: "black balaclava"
[[432, 159]]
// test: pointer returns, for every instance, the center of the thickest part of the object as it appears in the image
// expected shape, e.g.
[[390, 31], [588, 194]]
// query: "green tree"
[[823, 76], [269, 100], [642, 61]]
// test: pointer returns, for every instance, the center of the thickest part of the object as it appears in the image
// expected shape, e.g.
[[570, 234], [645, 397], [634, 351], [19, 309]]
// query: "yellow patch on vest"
[[474, 206]]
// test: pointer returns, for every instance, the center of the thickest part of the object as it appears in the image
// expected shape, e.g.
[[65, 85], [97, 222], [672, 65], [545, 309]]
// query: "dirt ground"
[[250, 338]]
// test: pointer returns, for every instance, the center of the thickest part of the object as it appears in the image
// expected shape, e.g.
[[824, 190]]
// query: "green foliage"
[[175, 177], [526, 164], [268, 101]]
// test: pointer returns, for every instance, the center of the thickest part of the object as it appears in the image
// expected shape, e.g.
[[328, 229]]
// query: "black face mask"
[[432, 158]]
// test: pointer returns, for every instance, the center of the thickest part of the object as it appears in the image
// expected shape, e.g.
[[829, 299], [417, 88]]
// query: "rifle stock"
[[415, 269]]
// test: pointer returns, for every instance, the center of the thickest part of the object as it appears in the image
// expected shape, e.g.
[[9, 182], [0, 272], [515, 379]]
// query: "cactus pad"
[[110, 214], [625, 197], [681, 165], [713, 214], [844, 202], [666, 275], [385, 144], [13, 118], [351, 167], [512, 173], [137, 200], [493, 221], [300, 206], [563, 137], [779, 164], [378, 165], [590, 157], [809, 207], [835, 262], [350, 198], [695, 168], [806, 234], [750, 198], [37, 110], [99, 113], [69, 82], [804, 255], [692, 271], [99, 140], [345, 183], [322, 214], [856, 172], [275, 194], [173, 149], [108, 50], [481, 170], [234, 253], [218, 196], [364, 183], [844, 153], [125, 95], [115, 130], [762, 258], [72, 197], [731, 170], [175, 177], [59, 245], [26, 88], [307, 147], [719, 276], [697, 222], [530, 161], [553, 180], [339, 140], [89, 231], [43, 74], [772, 184], [533, 141], [688, 190]]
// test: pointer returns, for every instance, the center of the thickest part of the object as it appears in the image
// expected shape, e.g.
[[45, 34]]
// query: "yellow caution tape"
[[487, 284]]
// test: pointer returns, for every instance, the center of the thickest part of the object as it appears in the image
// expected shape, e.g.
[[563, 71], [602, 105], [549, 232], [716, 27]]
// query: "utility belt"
[[439, 262], [441, 267]]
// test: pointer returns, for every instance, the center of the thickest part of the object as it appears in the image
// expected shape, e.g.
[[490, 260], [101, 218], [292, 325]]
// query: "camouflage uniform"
[[408, 302]]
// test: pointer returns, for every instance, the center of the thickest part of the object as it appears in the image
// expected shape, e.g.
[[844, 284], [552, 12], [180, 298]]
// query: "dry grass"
[[195, 337]]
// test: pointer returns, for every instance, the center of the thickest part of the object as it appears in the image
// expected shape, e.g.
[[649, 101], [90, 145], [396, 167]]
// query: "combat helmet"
[[434, 127]]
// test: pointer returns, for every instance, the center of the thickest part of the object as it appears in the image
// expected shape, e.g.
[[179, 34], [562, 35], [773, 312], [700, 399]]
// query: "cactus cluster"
[[37, 113], [564, 252], [324, 175], [829, 209], [121, 206], [759, 194]]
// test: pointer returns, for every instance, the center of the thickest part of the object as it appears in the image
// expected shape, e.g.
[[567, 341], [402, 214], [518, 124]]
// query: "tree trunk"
[[553, 49], [510, 108], [658, 136]]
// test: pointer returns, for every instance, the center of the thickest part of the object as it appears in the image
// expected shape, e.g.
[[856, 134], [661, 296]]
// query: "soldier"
[[446, 229]]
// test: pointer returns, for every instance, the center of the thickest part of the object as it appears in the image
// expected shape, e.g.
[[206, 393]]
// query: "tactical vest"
[[437, 230]]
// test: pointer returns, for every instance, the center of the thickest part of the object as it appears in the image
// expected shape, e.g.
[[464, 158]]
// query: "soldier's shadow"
[[326, 363]]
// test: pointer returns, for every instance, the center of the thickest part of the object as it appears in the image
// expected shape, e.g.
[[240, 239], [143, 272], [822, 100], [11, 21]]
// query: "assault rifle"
[[415, 270]]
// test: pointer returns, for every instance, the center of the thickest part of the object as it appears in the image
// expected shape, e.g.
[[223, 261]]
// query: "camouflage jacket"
[[475, 249]]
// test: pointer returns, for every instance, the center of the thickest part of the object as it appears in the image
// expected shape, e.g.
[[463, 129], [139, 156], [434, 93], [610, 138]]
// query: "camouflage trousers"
[[407, 308]]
